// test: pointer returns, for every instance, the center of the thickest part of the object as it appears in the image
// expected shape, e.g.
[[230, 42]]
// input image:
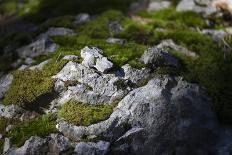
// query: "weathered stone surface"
[[35, 145], [115, 27], [57, 31], [89, 86], [82, 18], [115, 41], [134, 75], [6, 146], [5, 82], [155, 57], [70, 57], [93, 58], [200, 6], [217, 35], [39, 66], [16, 112], [170, 45], [41, 46], [158, 5], [90, 148], [174, 115]]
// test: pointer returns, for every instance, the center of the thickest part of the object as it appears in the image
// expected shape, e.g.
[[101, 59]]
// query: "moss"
[[84, 114], [170, 18], [41, 126], [27, 86], [1, 145]]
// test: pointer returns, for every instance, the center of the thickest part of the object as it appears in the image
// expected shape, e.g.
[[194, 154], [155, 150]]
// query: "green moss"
[[27, 86], [170, 18], [84, 114], [41, 126], [1, 145]]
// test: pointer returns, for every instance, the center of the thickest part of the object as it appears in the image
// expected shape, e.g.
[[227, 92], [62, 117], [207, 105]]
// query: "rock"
[[5, 82], [155, 57], [8, 128], [82, 18], [134, 75], [217, 35], [59, 144], [28, 61], [6, 146], [41, 46], [171, 114], [1, 136], [90, 86], [115, 27], [57, 31], [70, 57], [199, 6], [39, 66], [93, 58], [170, 45], [158, 5], [90, 148], [115, 41], [137, 6], [35, 145], [16, 112]]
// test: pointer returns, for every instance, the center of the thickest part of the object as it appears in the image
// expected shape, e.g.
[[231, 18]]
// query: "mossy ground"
[[41, 126], [84, 114]]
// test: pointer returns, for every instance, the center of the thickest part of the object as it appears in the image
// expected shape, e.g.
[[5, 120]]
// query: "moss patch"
[[83, 114], [41, 126]]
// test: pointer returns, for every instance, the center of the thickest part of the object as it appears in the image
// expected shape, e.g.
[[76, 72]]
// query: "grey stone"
[[8, 128], [156, 57], [70, 57], [39, 66], [201, 6], [158, 5], [217, 35], [169, 44], [90, 148], [174, 115], [41, 46], [28, 61], [57, 31], [35, 145], [93, 58], [5, 82], [91, 87], [115, 27], [82, 18], [6, 146], [115, 41]]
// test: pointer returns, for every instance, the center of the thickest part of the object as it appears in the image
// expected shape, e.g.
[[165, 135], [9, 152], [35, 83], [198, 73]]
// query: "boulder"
[[93, 58], [170, 45], [158, 5], [57, 31], [5, 82], [155, 57], [41, 46], [90, 148], [82, 18], [166, 116], [199, 6], [115, 41]]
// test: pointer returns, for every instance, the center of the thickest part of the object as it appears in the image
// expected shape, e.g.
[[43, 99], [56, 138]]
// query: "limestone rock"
[[90, 148], [217, 35], [115, 41], [169, 44], [82, 18], [93, 58], [41, 46], [70, 57], [5, 82], [156, 57], [57, 31], [158, 5]]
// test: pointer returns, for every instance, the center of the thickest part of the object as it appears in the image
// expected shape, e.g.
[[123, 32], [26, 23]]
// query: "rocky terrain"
[[154, 80]]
